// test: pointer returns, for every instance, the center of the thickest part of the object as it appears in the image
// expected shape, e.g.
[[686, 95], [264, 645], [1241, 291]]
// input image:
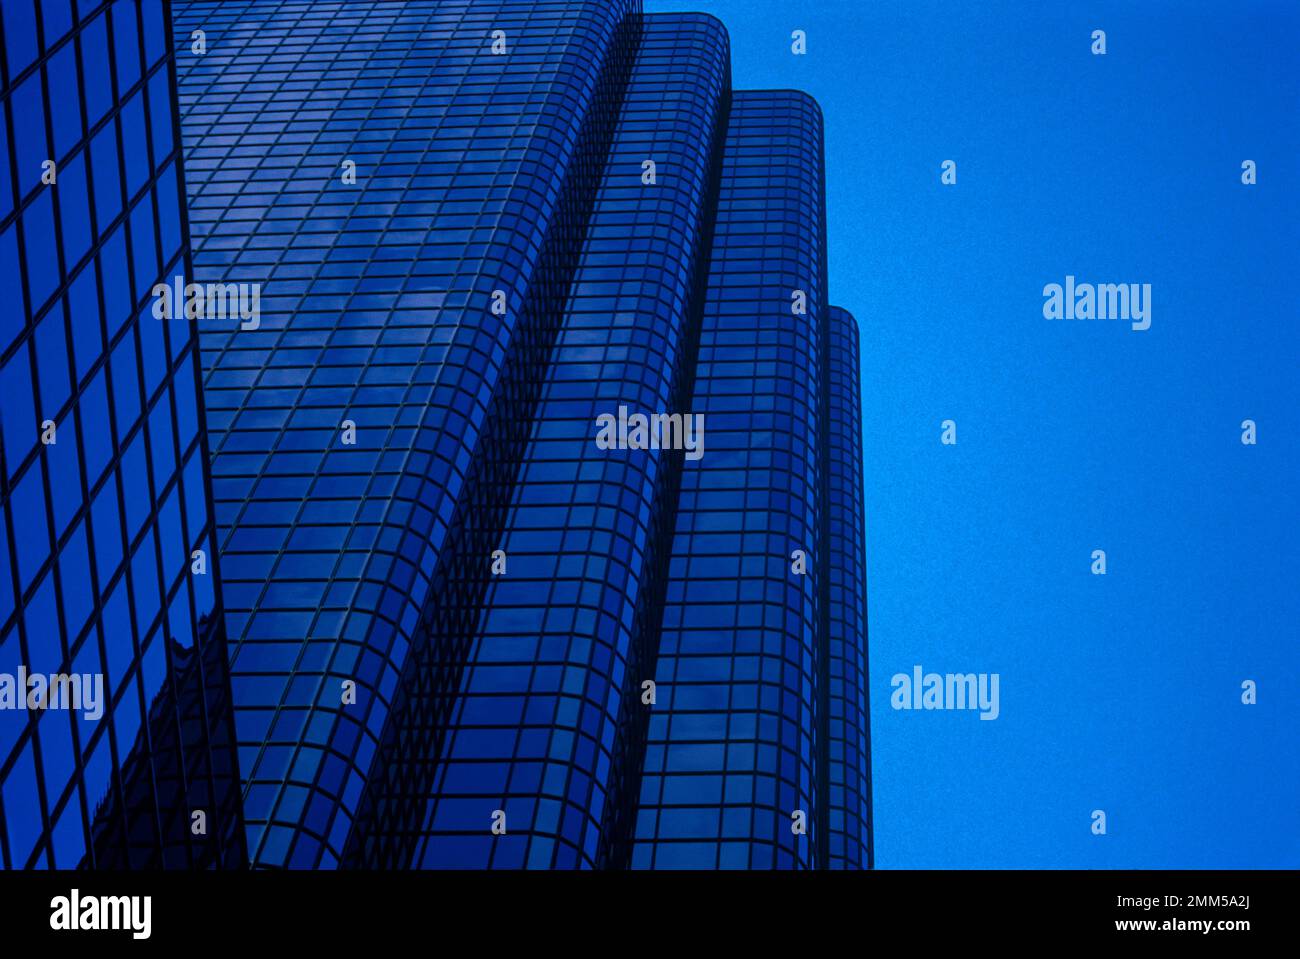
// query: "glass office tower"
[[412, 205], [730, 767], [844, 720], [116, 734], [545, 728], [479, 615]]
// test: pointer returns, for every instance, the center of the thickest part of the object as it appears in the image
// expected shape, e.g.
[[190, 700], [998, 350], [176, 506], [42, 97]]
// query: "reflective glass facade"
[[731, 756], [378, 309], [844, 714], [545, 727], [463, 632], [108, 571]]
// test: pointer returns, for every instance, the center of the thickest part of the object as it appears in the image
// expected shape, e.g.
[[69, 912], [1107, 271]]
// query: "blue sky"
[[1119, 692]]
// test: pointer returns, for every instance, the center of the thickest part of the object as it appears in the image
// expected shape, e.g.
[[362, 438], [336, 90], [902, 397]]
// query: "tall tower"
[[549, 725], [730, 775], [116, 734], [494, 600]]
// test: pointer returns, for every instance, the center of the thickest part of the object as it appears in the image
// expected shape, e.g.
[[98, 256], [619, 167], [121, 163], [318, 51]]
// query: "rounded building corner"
[[845, 318], [803, 98], [716, 24], [712, 24]]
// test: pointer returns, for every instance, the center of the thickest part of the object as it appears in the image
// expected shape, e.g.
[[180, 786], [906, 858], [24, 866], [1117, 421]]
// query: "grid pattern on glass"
[[558, 649], [730, 757], [376, 304], [386, 828], [102, 460], [847, 730]]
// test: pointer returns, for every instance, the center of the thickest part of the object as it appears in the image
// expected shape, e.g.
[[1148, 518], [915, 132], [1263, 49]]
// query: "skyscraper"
[[405, 462], [535, 462], [412, 205], [116, 734], [731, 765]]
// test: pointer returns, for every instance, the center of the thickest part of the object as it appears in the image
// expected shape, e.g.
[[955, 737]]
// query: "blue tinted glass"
[[134, 134], [114, 278], [186, 414], [95, 427], [156, 32], [117, 637], [161, 440], [135, 477], [169, 214], [144, 250], [31, 149], [22, 801], [144, 569], [6, 181], [126, 37], [65, 477], [19, 408], [69, 838], [74, 210], [52, 362], [126, 715], [153, 350], [175, 554], [41, 616], [105, 521], [30, 531], [65, 105], [11, 722], [6, 587], [117, 793], [20, 34], [42, 253], [126, 385], [108, 178], [87, 338], [99, 766], [98, 87], [160, 118], [74, 566], [624, 562], [56, 18], [12, 316], [55, 731]]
